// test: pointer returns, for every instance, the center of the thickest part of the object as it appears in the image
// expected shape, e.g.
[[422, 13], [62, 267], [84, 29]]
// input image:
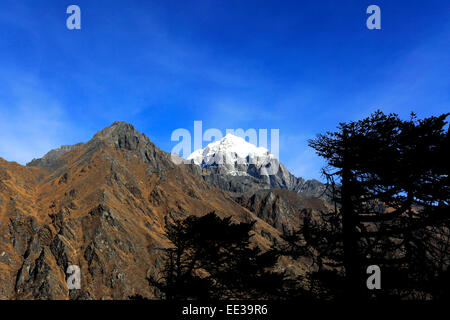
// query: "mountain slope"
[[101, 205]]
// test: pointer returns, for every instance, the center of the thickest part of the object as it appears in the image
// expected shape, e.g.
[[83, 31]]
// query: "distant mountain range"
[[103, 205]]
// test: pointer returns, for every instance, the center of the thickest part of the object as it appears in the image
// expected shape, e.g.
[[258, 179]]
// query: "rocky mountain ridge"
[[103, 205], [236, 165]]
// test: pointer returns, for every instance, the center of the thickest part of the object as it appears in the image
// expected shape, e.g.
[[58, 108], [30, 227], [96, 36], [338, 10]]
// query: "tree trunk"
[[353, 275]]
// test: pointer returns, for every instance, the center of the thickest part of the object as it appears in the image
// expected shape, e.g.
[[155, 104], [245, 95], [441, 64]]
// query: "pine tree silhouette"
[[213, 258], [389, 181]]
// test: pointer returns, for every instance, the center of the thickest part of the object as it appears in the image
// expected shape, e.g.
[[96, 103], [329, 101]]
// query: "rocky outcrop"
[[51, 159]]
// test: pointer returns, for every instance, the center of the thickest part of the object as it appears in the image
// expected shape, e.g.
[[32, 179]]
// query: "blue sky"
[[299, 66]]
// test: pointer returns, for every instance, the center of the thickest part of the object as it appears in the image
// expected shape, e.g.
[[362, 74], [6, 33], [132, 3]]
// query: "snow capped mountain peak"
[[233, 154], [232, 143], [236, 165]]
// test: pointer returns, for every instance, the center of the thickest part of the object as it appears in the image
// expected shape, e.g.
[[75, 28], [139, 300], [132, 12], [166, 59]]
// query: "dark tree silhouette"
[[213, 258], [389, 181]]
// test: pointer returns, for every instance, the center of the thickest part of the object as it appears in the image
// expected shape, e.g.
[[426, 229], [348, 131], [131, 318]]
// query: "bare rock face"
[[51, 159], [102, 206], [124, 136], [281, 209]]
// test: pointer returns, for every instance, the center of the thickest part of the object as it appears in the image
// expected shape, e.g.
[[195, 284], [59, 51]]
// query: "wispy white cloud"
[[416, 81], [298, 157], [32, 121]]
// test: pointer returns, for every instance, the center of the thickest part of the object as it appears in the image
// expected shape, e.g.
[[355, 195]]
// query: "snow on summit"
[[230, 151]]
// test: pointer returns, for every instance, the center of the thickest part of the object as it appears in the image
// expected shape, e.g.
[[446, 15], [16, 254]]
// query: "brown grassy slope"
[[103, 207]]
